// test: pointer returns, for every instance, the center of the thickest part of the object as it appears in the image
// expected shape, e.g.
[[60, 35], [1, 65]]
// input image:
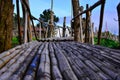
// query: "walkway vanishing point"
[[59, 60]]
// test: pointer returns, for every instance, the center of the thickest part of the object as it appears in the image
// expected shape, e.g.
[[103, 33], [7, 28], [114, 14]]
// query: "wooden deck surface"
[[64, 60]]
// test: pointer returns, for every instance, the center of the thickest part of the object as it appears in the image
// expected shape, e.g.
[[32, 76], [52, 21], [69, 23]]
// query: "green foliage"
[[34, 39], [107, 43], [15, 41], [45, 16]]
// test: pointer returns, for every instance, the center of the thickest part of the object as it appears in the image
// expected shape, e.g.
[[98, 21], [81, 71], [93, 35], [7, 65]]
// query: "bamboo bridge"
[[59, 59]]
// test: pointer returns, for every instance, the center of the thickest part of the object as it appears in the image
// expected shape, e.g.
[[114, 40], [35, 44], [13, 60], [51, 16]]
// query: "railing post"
[[18, 18], [86, 27], [75, 4], [81, 26], [64, 26], [101, 20], [92, 33], [118, 11]]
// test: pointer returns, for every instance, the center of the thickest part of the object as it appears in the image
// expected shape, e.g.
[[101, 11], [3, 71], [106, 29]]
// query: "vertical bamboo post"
[[86, 28], [29, 25], [92, 33], [101, 20], [51, 20], [81, 27], [6, 24], [64, 26], [18, 18], [59, 32], [90, 29], [46, 33], [76, 25], [118, 11], [40, 30], [72, 28], [25, 27], [25, 16], [29, 29]]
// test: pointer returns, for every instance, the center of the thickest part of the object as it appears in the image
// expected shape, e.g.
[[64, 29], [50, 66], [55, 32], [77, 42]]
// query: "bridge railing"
[[100, 2]]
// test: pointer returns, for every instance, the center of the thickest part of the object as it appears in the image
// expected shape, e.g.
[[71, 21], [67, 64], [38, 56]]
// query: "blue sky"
[[63, 8]]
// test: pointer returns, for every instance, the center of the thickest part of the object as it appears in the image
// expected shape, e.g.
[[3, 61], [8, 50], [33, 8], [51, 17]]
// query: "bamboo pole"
[[92, 33], [87, 27], [31, 17], [59, 32], [89, 9], [25, 16], [18, 18], [51, 20], [25, 27], [46, 33], [118, 11], [64, 26], [81, 27], [29, 35], [40, 30], [75, 4], [72, 28], [101, 20], [90, 29], [29, 25]]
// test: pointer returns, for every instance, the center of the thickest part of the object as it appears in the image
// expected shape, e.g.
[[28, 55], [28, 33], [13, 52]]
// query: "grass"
[[33, 38], [108, 43], [104, 42], [15, 41]]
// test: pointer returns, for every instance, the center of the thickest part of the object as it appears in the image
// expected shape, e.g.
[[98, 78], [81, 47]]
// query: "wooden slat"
[[56, 74], [44, 67], [64, 65], [16, 69], [60, 61]]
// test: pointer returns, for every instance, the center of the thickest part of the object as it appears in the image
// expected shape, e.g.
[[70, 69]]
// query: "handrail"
[[90, 8]]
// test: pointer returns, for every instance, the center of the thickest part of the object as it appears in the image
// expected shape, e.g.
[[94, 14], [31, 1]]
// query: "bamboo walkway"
[[59, 60]]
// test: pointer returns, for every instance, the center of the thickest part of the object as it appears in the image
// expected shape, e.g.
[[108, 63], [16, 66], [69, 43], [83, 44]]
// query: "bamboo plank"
[[44, 66], [56, 75], [60, 61], [30, 74], [64, 65], [20, 71]]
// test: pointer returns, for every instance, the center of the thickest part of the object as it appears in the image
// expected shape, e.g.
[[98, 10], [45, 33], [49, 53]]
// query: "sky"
[[63, 8]]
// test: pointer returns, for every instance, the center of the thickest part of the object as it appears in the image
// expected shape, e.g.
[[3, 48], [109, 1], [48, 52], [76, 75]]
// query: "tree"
[[76, 25], [46, 17], [6, 24]]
